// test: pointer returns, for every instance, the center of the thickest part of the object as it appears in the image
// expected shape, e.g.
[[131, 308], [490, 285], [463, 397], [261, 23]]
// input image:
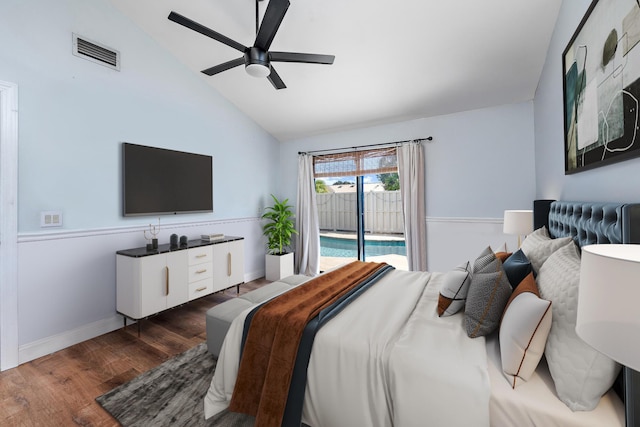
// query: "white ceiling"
[[395, 60]]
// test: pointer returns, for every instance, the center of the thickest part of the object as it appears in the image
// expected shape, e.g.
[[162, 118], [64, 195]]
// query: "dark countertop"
[[141, 252]]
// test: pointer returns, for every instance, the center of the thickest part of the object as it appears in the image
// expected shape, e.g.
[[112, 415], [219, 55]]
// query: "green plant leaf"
[[279, 227]]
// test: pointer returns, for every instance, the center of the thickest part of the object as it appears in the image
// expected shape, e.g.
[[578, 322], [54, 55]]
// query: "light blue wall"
[[73, 117], [74, 114], [614, 183], [479, 163]]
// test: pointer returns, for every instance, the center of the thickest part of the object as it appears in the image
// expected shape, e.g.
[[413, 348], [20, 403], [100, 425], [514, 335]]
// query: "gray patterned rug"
[[170, 395]]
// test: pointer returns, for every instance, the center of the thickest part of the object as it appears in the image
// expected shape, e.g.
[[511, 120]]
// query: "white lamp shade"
[[608, 315], [518, 222]]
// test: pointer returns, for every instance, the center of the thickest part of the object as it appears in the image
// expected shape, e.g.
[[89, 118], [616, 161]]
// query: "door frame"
[[9, 353]]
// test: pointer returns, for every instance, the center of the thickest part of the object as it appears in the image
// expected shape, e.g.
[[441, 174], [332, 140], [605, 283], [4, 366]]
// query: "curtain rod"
[[429, 138]]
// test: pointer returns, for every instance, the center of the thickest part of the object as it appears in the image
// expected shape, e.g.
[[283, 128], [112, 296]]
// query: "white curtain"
[[411, 173], [307, 255]]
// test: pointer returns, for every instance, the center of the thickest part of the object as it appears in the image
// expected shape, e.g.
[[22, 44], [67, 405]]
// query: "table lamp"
[[518, 222], [608, 318]]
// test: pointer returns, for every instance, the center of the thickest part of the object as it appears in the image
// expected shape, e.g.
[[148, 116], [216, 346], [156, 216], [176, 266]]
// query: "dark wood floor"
[[60, 389]]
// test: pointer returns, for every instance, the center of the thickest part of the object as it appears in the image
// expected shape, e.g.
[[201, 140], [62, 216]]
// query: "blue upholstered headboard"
[[589, 223], [597, 223]]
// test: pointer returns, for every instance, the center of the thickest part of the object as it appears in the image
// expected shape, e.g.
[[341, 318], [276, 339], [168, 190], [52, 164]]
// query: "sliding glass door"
[[360, 215], [336, 198]]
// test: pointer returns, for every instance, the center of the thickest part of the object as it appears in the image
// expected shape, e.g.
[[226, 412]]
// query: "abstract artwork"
[[601, 66]]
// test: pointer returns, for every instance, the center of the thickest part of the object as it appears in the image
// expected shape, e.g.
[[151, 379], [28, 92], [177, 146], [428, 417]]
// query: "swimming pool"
[[347, 248]]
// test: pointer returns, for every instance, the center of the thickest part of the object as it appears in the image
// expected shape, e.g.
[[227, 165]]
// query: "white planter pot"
[[278, 266]]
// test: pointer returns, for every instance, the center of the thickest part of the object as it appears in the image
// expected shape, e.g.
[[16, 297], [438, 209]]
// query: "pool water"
[[333, 247]]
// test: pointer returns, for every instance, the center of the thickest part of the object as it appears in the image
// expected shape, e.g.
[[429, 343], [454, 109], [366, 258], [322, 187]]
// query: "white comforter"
[[387, 359]]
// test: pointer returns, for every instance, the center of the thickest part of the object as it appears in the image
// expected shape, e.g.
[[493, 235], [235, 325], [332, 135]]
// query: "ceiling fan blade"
[[273, 17], [309, 58], [275, 79], [224, 67], [193, 25]]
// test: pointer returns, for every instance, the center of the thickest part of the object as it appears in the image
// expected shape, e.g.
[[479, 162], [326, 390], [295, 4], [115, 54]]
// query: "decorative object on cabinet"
[[602, 87], [279, 229], [212, 237], [152, 236], [518, 222], [148, 282]]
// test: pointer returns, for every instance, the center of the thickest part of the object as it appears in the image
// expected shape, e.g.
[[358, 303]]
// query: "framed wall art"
[[601, 66]]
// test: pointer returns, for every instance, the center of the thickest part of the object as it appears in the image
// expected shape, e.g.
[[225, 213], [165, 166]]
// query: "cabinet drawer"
[[200, 288], [200, 271], [200, 255]]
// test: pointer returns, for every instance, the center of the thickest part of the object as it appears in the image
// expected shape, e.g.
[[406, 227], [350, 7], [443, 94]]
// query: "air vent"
[[95, 52]]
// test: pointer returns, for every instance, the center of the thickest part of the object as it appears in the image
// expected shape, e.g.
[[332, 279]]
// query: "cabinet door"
[[153, 284], [236, 253], [220, 266], [178, 283]]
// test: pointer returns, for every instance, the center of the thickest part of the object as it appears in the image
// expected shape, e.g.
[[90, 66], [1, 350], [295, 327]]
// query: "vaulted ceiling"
[[395, 60]]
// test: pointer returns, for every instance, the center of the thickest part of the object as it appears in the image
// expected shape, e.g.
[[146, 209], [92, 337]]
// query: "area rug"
[[170, 395]]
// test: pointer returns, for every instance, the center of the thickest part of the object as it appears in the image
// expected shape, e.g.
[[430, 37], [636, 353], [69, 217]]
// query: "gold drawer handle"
[[201, 271], [167, 281], [201, 255], [201, 289]]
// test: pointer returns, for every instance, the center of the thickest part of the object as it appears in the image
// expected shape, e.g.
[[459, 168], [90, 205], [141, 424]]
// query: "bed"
[[389, 359]]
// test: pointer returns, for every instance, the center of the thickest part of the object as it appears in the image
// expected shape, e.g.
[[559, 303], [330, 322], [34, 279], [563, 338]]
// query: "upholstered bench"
[[219, 317]]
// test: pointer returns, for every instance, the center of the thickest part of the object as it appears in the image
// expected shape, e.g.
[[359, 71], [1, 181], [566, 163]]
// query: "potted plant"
[[279, 229]]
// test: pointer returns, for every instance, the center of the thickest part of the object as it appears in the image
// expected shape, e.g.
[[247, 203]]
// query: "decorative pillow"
[[580, 373], [502, 255], [488, 294], [538, 246], [523, 332], [517, 267], [454, 290]]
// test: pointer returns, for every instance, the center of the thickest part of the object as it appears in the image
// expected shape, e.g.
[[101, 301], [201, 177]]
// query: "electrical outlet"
[[51, 219]]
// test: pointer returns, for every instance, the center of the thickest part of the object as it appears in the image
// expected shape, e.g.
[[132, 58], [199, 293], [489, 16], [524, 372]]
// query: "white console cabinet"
[[149, 282]]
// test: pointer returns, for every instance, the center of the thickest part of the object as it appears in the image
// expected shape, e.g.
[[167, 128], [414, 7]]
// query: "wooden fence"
[[382, 212]]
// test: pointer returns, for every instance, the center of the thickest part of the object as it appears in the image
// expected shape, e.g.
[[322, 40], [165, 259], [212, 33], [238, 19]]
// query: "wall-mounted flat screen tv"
[[160, 181]]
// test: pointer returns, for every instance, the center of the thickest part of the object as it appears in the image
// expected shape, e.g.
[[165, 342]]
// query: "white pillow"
[[538, 246], [580, 373], [523, 332], [455, 286]]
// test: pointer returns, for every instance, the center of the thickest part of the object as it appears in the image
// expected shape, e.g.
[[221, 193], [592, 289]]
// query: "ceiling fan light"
[[258, 70]]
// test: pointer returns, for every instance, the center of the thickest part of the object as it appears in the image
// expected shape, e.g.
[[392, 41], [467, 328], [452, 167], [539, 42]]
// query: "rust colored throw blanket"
[[274, 335]]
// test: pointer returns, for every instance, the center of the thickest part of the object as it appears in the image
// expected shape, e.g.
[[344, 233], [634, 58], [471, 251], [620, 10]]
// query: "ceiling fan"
[[257, 59]]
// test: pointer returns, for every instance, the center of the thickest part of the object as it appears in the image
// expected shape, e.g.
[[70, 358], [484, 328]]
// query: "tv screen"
[[161, 181]]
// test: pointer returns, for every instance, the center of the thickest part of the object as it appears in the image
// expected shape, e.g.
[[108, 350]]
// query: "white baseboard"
[[45, 346], [253, 275]]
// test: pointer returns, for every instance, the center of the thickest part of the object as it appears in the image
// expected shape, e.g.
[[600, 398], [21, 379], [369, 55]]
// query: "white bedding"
[[386, 360], [535, 403]]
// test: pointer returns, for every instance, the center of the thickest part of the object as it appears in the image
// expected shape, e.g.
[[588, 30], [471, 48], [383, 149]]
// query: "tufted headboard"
[[589, 223], [597, 223]]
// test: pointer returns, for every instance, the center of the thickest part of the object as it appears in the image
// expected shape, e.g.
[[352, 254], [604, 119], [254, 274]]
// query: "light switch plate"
[[51, 219]]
